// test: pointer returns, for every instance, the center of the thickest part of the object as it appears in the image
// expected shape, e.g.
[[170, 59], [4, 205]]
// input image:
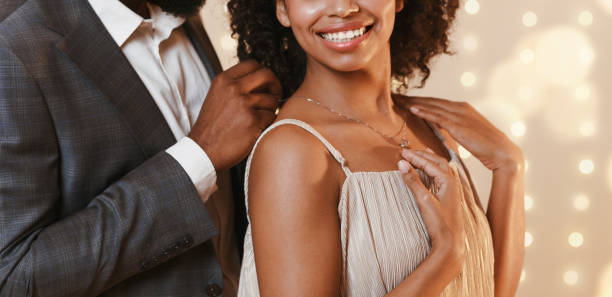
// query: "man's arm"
[[145, 218]]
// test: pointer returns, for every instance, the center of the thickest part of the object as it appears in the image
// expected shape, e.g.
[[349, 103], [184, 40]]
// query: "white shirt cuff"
[[196, 164]]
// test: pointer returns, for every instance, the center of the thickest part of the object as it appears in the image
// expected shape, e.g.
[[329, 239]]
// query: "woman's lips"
[[344, 37]]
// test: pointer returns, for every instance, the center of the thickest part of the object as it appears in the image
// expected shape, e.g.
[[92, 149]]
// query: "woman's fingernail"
[[430, 150], [406, 153], [414, 109], [403, 166]]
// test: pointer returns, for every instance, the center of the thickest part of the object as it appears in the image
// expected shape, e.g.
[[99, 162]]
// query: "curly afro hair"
[[421, 32]]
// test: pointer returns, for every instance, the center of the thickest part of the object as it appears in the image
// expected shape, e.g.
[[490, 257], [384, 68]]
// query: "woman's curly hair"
[[421, 32]]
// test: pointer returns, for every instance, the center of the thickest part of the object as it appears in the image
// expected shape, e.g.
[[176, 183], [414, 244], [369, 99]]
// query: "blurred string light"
[[528, 202], [585, 18], [575, 239], [581, 202], [468, 79], [570, 277], [528, 239], [530, 19], [472, 7], [586, 166]]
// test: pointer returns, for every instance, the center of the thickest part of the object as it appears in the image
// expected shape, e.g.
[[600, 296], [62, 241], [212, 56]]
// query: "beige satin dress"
[[383, 236]]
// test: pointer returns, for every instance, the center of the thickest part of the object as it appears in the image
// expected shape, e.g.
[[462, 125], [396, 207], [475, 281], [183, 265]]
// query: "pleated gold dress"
[[383, 235]]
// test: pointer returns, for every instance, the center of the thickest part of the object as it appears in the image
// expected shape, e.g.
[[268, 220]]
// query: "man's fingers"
[[243, 68], [264, 101], [264, 118], [261, 80]]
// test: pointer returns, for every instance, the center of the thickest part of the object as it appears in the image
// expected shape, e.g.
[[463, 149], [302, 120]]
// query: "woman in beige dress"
[[356, 191]]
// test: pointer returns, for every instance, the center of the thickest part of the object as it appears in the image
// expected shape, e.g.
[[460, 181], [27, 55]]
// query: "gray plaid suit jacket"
[[90, 204], [8, 6]]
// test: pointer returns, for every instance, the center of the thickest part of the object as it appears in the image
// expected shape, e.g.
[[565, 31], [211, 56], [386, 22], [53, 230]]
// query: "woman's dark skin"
[[294, 218]]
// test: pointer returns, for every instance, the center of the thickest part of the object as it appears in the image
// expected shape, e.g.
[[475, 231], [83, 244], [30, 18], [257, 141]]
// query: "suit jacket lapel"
[[198, 37], [92, 49]]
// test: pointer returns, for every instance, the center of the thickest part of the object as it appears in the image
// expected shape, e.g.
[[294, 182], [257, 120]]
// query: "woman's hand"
[[441, 213], [472, 130]]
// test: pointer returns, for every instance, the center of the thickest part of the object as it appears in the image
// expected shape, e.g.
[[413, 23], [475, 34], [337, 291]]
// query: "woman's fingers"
[[428, 205], [439, 170]]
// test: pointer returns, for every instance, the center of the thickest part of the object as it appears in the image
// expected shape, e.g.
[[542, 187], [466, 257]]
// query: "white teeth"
[[344, 36]]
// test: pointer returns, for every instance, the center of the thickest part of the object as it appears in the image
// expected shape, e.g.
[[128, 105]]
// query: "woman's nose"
[[343, 8]]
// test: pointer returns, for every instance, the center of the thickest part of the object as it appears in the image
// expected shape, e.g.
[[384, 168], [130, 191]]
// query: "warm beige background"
[[540, 70]]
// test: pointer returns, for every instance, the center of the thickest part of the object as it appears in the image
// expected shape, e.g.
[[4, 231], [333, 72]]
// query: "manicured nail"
[[414, 109], [403, 166], [407, 153], [430, 150]]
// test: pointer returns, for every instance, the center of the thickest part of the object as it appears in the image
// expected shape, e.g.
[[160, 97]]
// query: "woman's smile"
[[343, 37]]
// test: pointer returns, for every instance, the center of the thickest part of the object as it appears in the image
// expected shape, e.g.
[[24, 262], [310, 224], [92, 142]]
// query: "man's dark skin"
[[239, 105]]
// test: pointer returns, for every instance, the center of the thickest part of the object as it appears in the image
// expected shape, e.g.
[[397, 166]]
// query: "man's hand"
[[240, 104]]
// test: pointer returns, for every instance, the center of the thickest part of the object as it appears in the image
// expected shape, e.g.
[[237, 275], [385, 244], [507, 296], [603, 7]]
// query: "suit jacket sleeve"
[[148, 216]]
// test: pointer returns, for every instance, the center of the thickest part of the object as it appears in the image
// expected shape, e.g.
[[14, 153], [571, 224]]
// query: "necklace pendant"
[[404, 144]]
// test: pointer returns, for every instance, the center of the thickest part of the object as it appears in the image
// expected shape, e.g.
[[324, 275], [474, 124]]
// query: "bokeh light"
[[569, 126], [528, 202], [568, 45], [575, 239], [468, 79], [581, 202], [586, 166], [570, 277], [528, 239], [472, 6], [530, 19], [518, 129], [527, 56], [585, 18], [470, 43], [587, 129]]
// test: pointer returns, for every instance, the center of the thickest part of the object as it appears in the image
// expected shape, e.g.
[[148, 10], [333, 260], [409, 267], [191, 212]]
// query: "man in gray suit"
[[119, 136]]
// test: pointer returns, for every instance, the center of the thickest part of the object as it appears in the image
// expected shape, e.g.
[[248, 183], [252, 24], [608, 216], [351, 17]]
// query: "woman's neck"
[[365, 94]]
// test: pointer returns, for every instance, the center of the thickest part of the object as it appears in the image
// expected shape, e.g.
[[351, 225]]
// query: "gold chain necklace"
[[403, 143]]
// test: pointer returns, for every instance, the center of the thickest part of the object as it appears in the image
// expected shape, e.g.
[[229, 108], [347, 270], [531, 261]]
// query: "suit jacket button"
[[213, 290]]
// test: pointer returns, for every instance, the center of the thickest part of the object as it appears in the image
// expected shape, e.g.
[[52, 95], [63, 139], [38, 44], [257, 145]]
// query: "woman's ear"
[[399, 5], [281, 13]]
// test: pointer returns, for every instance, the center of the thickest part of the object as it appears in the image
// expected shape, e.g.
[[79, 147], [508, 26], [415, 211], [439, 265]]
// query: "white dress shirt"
[[165, 60], [163, 57]]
